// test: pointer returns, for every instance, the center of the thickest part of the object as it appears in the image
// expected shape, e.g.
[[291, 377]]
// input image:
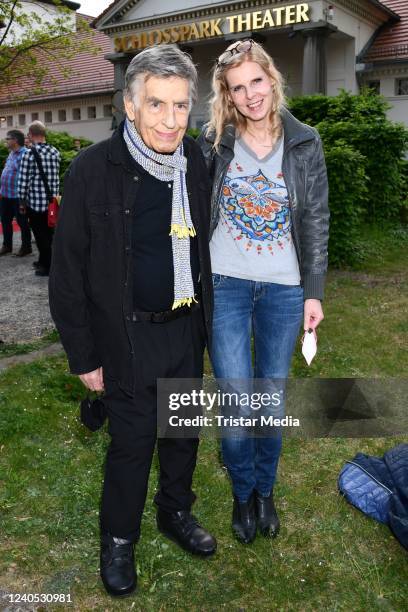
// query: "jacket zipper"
[[218, 188], [371, 476]]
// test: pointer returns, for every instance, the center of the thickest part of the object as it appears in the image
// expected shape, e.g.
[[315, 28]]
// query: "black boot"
[[117, 565], [244, 520], [183, 528], [268, 520]]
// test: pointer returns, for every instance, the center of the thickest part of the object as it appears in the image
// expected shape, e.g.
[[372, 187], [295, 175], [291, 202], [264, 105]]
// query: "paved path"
[[52, 349], [24, 311]]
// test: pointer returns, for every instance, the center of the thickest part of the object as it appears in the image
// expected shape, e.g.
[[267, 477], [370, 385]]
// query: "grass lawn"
[[328, 555]]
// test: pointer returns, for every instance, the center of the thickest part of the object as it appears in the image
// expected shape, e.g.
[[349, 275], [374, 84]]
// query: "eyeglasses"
[[242, 46]]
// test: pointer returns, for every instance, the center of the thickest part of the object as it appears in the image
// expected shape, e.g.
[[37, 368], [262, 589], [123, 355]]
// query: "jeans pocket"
[[217, 280]]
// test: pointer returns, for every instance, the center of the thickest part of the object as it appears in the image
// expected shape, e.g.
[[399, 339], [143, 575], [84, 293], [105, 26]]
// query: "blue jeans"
[[272, 313]]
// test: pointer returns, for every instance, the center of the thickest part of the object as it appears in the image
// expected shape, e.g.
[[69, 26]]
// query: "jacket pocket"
[[104, 212], [106, 223]]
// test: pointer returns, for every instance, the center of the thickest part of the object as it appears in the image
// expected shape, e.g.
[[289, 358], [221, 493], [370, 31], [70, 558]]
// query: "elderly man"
[[131, 295]]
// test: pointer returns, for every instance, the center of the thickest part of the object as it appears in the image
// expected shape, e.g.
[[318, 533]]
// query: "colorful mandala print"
[[259, 209]]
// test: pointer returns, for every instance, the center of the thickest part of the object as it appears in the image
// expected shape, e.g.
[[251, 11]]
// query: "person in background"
[[77, 144], [33, 191], [269, 236], [9, 202]]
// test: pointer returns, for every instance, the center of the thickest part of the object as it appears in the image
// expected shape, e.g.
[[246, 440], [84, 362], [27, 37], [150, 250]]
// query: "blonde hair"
[[223, 111], [37, 128]]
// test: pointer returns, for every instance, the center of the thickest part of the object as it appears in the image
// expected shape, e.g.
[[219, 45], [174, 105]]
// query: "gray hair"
[[162, 61]]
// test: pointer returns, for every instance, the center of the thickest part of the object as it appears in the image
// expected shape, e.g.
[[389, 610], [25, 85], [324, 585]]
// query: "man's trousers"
[[42, 234], [9, 209], [173, 349]]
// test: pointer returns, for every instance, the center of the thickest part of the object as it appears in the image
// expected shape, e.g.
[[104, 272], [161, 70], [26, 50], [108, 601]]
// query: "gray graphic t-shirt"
[[253, 238]]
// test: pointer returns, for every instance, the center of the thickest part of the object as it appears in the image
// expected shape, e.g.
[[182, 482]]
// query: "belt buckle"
[[157, 317]]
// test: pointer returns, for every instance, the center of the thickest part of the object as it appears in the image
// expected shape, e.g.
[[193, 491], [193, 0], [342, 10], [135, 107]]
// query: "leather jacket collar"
[[295, 133]]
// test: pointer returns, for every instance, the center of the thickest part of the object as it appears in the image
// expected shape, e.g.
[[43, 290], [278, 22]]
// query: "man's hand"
[[22, 207], [313, 314], [93, 380]]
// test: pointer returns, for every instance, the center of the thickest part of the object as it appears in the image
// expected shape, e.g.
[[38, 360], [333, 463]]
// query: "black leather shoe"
[[268, 520], [5, 250], [244, 520], [184, 529], [24, 251], [117, 565]]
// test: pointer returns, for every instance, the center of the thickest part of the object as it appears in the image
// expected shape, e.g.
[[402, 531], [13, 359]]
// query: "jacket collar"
[[295, 132], [117, 150]]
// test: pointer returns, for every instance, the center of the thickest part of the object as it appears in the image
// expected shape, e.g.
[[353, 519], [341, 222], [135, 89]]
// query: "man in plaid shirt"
[[9, 196], [32, 192]]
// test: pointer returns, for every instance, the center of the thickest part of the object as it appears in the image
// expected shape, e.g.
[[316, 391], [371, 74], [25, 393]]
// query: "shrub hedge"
[[372, 186], [346, 170], [3, 154]]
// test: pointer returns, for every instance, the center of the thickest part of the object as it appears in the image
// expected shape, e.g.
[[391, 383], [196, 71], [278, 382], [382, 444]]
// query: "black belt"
[[165, 315]]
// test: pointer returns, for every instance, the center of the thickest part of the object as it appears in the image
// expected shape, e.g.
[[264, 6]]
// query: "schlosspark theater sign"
[[211, 28]]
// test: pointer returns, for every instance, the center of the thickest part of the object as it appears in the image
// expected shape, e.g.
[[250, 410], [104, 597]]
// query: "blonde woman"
[[269, 235]]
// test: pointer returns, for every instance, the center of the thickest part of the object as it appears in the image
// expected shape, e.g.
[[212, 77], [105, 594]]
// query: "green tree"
[[30, 41]]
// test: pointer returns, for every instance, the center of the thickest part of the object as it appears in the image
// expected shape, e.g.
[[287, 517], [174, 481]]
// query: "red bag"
[[53, 209]]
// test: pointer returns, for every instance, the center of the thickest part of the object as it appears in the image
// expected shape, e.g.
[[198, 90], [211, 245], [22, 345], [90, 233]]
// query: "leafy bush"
[[66, 159], [194, 132], [372, 185], [64, 141], [60, 140], [310, 109], [346, 201], [3, 155], [404, 191], [360, 121], [366, 106], [382, 143]]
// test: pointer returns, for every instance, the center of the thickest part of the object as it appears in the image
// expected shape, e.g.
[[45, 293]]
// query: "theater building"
[[319, 46]]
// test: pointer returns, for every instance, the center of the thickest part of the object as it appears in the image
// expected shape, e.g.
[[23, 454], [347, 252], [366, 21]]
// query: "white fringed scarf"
[[170, 168]]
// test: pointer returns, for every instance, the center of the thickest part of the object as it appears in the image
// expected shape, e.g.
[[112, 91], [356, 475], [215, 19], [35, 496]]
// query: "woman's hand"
[[313, 314]]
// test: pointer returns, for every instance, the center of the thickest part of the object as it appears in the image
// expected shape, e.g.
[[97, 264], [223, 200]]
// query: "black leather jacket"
[[304, 171]]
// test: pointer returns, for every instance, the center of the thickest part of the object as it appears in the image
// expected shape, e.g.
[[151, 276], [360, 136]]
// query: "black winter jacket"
[[304, 171], [91, 273]]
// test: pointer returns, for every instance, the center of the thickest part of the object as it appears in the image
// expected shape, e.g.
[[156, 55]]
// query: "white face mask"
[[309, 345]]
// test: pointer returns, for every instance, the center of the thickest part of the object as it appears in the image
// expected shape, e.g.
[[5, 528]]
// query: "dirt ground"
[[24, 311]]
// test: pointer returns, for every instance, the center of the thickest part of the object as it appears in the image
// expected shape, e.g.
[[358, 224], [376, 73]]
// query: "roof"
[[108, 8], [89, 75], [385, 6], [382, 4], [391, 41]]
